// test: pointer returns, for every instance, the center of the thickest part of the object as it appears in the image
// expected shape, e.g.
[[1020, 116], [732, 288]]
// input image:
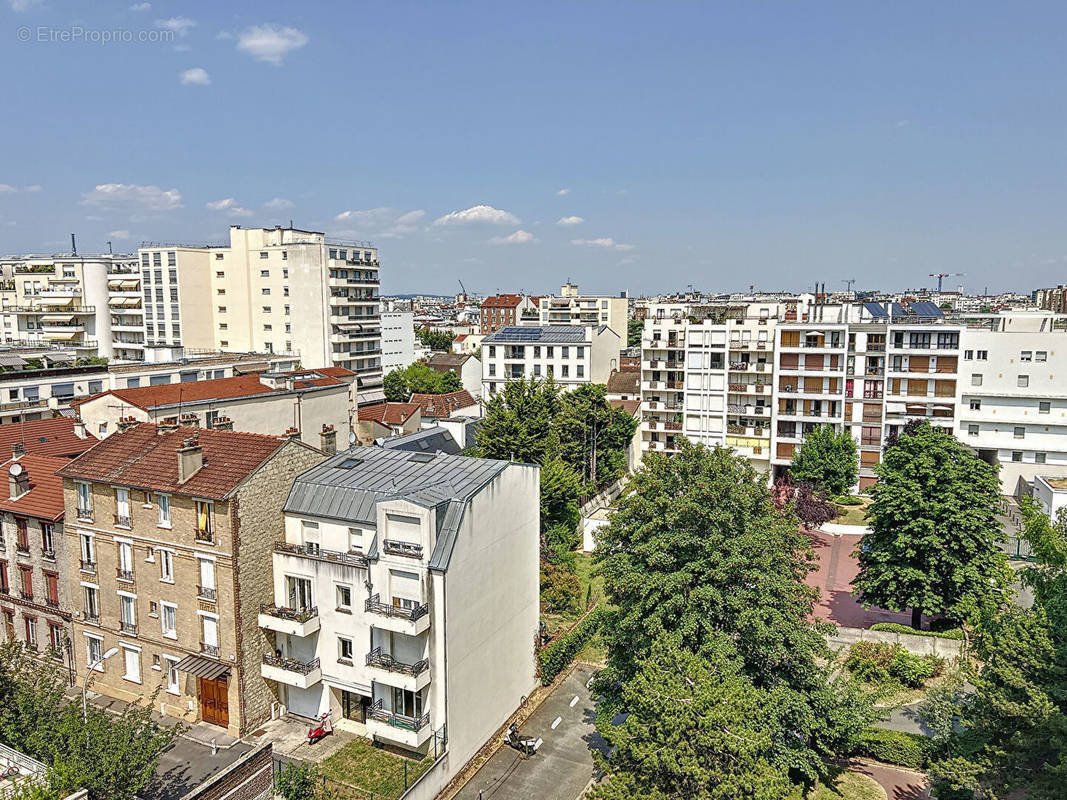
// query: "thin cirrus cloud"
[[120, 234], [7, 188], [519, 237], [140, 7], [230, 206], [478, 215], [197, 76], [278, 203], [568, 221], [177, 25], [132, 197], [604, 241], [563, 192], [271, 43], [379, 223]]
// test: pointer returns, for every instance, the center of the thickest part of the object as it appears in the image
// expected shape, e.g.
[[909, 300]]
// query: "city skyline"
[[614, 145]]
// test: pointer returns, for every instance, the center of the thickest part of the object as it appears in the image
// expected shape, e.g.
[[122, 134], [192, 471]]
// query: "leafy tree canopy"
[[933, 545], [633, 332], [827, 459], [419, 378], [435, 340]]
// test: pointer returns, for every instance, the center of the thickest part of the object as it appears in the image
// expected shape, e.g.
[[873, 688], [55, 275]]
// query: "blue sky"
[[641, 146]]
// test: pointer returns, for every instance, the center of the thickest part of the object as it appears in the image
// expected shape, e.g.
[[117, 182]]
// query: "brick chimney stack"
[[190, 458], [328, 440]]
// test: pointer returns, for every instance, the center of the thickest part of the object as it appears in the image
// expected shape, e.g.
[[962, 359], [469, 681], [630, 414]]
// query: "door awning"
[[203, 667]]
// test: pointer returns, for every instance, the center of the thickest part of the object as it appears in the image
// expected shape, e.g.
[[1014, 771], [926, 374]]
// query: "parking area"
[[563, 766]]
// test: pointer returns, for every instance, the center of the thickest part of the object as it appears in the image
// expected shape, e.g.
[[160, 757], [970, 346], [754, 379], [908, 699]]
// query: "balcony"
[[48, 555], [398, 619], [204, 593], [291, 671], [394, 547], [85, 515], [122, 520], [124, 575], [128, 627], [205, 536], [88, 565], [211, 650], [384, 668], [92, 617], [293, 621], [411, 732], [311, 550]]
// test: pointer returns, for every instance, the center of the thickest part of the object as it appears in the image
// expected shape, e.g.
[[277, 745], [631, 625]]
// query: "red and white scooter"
[[323, 729]]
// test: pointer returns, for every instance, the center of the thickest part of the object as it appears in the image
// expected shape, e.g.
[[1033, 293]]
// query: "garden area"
[[358, 771], [891, 675], [852, 509], [848, 786]]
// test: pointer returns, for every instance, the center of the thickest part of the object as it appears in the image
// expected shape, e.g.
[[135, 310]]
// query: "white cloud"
[[197, 76], [182, 48], [178, 25], [230, 206], [122, 234], [7, 188], [33, 187], [270, 42], [278, 203], [478, 214], [519, 237], [133, 197], [223, 35], [379, 223], [23, 5], [140, 6], [570, 221], [563, 192], [605, 241]]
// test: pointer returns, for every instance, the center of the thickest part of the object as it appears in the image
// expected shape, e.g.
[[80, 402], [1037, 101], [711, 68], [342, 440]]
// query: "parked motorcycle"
[[323, 729], [526, 745]]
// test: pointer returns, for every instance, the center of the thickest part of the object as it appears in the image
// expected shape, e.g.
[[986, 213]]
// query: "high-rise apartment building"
[[572, 308]]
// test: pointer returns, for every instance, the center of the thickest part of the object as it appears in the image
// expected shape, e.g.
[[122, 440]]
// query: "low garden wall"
[[913, 643]]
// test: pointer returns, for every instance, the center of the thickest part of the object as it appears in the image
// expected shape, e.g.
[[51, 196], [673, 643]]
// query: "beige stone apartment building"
[[171, 532]]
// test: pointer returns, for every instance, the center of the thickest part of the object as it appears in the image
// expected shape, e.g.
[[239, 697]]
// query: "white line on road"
[[574, 701], [589, 682], [557, 721]]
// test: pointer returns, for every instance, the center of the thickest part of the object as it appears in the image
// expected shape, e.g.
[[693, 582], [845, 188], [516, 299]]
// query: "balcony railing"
[[374, 604], [92, 617], [128, 627], [311, 550], [205, 535], [124, 575], [47, 554], [395, 547], [399, 720], [22, 548], [209, 649], [376, 658], [26, 595], [122, 520], [291, 614], [204, 593], [85, 515], [290, 664], [88, 565]]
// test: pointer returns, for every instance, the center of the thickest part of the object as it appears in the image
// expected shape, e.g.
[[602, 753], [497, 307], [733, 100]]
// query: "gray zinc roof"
[[428, 440], [544, 334]]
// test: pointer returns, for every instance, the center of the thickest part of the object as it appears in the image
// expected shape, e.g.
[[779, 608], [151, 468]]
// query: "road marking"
[[589, 682], [557, 721], [574, 701]]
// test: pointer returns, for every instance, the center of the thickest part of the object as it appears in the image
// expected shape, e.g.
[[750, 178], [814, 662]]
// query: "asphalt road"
[[562, 767], [186, 764]]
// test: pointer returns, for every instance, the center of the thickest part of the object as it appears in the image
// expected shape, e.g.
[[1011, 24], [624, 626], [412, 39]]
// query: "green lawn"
[[849, 786], [853, 515], [366, 768]]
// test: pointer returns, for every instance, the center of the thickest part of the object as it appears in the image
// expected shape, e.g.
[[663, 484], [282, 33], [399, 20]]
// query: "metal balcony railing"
[[209, 649], [290, 664], [88, 565], [311, 550], [375, 605], [124, 575], [399, 720], [291, 614], [128, 627], [204, 593], [395, 547], [376, 658]]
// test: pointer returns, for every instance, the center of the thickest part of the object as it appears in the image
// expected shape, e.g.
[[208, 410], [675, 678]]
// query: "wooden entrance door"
[[214, 702]]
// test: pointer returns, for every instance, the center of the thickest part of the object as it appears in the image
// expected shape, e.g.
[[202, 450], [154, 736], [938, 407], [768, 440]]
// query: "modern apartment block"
[[406, 597], [398, 340], [569, 354], [572, 308], [170, 532], [34, 560], [59, 300], [274, 290]]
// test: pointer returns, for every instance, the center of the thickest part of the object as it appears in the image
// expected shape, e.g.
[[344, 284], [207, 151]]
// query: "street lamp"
[[85, 684]]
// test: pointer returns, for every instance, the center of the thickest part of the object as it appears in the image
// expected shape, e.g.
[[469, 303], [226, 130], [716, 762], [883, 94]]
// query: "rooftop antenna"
[[109, 249], [73, 245], [848, 284]]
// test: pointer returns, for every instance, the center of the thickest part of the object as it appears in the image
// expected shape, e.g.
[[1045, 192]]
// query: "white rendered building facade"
[[398, 340], [569, 354]]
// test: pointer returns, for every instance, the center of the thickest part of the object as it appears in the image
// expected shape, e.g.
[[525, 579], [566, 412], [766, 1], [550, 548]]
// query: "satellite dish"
[[351, 437], [16, 470]]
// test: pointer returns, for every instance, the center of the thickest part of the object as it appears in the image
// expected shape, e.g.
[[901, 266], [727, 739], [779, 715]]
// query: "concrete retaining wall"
[[920, 645], [248, 778]]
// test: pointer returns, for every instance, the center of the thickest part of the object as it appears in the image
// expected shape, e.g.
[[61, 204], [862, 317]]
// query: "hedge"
[[895, 747], [561, 651], [894, 627]]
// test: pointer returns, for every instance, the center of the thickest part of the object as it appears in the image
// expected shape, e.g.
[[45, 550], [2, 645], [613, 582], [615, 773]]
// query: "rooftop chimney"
[[223, 424], [292, 433], [125, 423], [18, 480], [328, 440], [18, 450], [79, 429], [168, 425], [190, 458], [188, 420]]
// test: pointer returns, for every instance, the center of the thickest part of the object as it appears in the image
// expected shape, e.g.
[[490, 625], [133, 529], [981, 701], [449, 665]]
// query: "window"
[[204, 520], [1039, 458], [85, 502], [581, 371], [344, 598], [51, 587], [1041, 355], [55, 637], [298, 591], [968, 355], [95, 387], [163, 503], [565, 371], [168, 620], [1026, 355], [91, 596], [122, 507], [132, 663], [982, 355], [1016, 455], [31, 632], [976, 379], [1020, 432], [565, 352], [127, 613], [1023, 381], [492, 370], [264, 290], [207, 578], [172, 258], [262, 254], [344, 650], [972, 430], [94, 652], [264, 273], [27, 582], [170, 667], [210, 631], [88, 551], [355, 540], [166, 565], [219, 256], [125, 561], [976, 404]]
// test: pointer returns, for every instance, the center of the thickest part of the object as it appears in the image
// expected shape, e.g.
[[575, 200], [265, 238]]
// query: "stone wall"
[[259, 523], [920, 645]]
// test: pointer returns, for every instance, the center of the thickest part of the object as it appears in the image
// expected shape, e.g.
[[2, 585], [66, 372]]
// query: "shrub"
[[561, 651], [296, 782], [880, 663], [912, 670], [848, 500], [560, 588], [893, 627], [895, 747]]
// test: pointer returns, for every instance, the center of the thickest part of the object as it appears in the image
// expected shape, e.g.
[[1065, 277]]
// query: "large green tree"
[[696, 728], [593, 434], [400, 384], [827, 459], [934, 536], [435, 340], [517, 421], [633, 332], [696, 549], [1012, 734]]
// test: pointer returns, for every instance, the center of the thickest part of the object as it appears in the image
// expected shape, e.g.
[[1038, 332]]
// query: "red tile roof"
[[442, 406], [388, 413], [624, 382], [631, 407], [168, 394], [44, 500], [143, 458], [502, 301], [45, 437]]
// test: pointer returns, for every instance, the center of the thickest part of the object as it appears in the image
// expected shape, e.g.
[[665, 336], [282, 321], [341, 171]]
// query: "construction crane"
[[941, 275], [461, 286], [848, 284]]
